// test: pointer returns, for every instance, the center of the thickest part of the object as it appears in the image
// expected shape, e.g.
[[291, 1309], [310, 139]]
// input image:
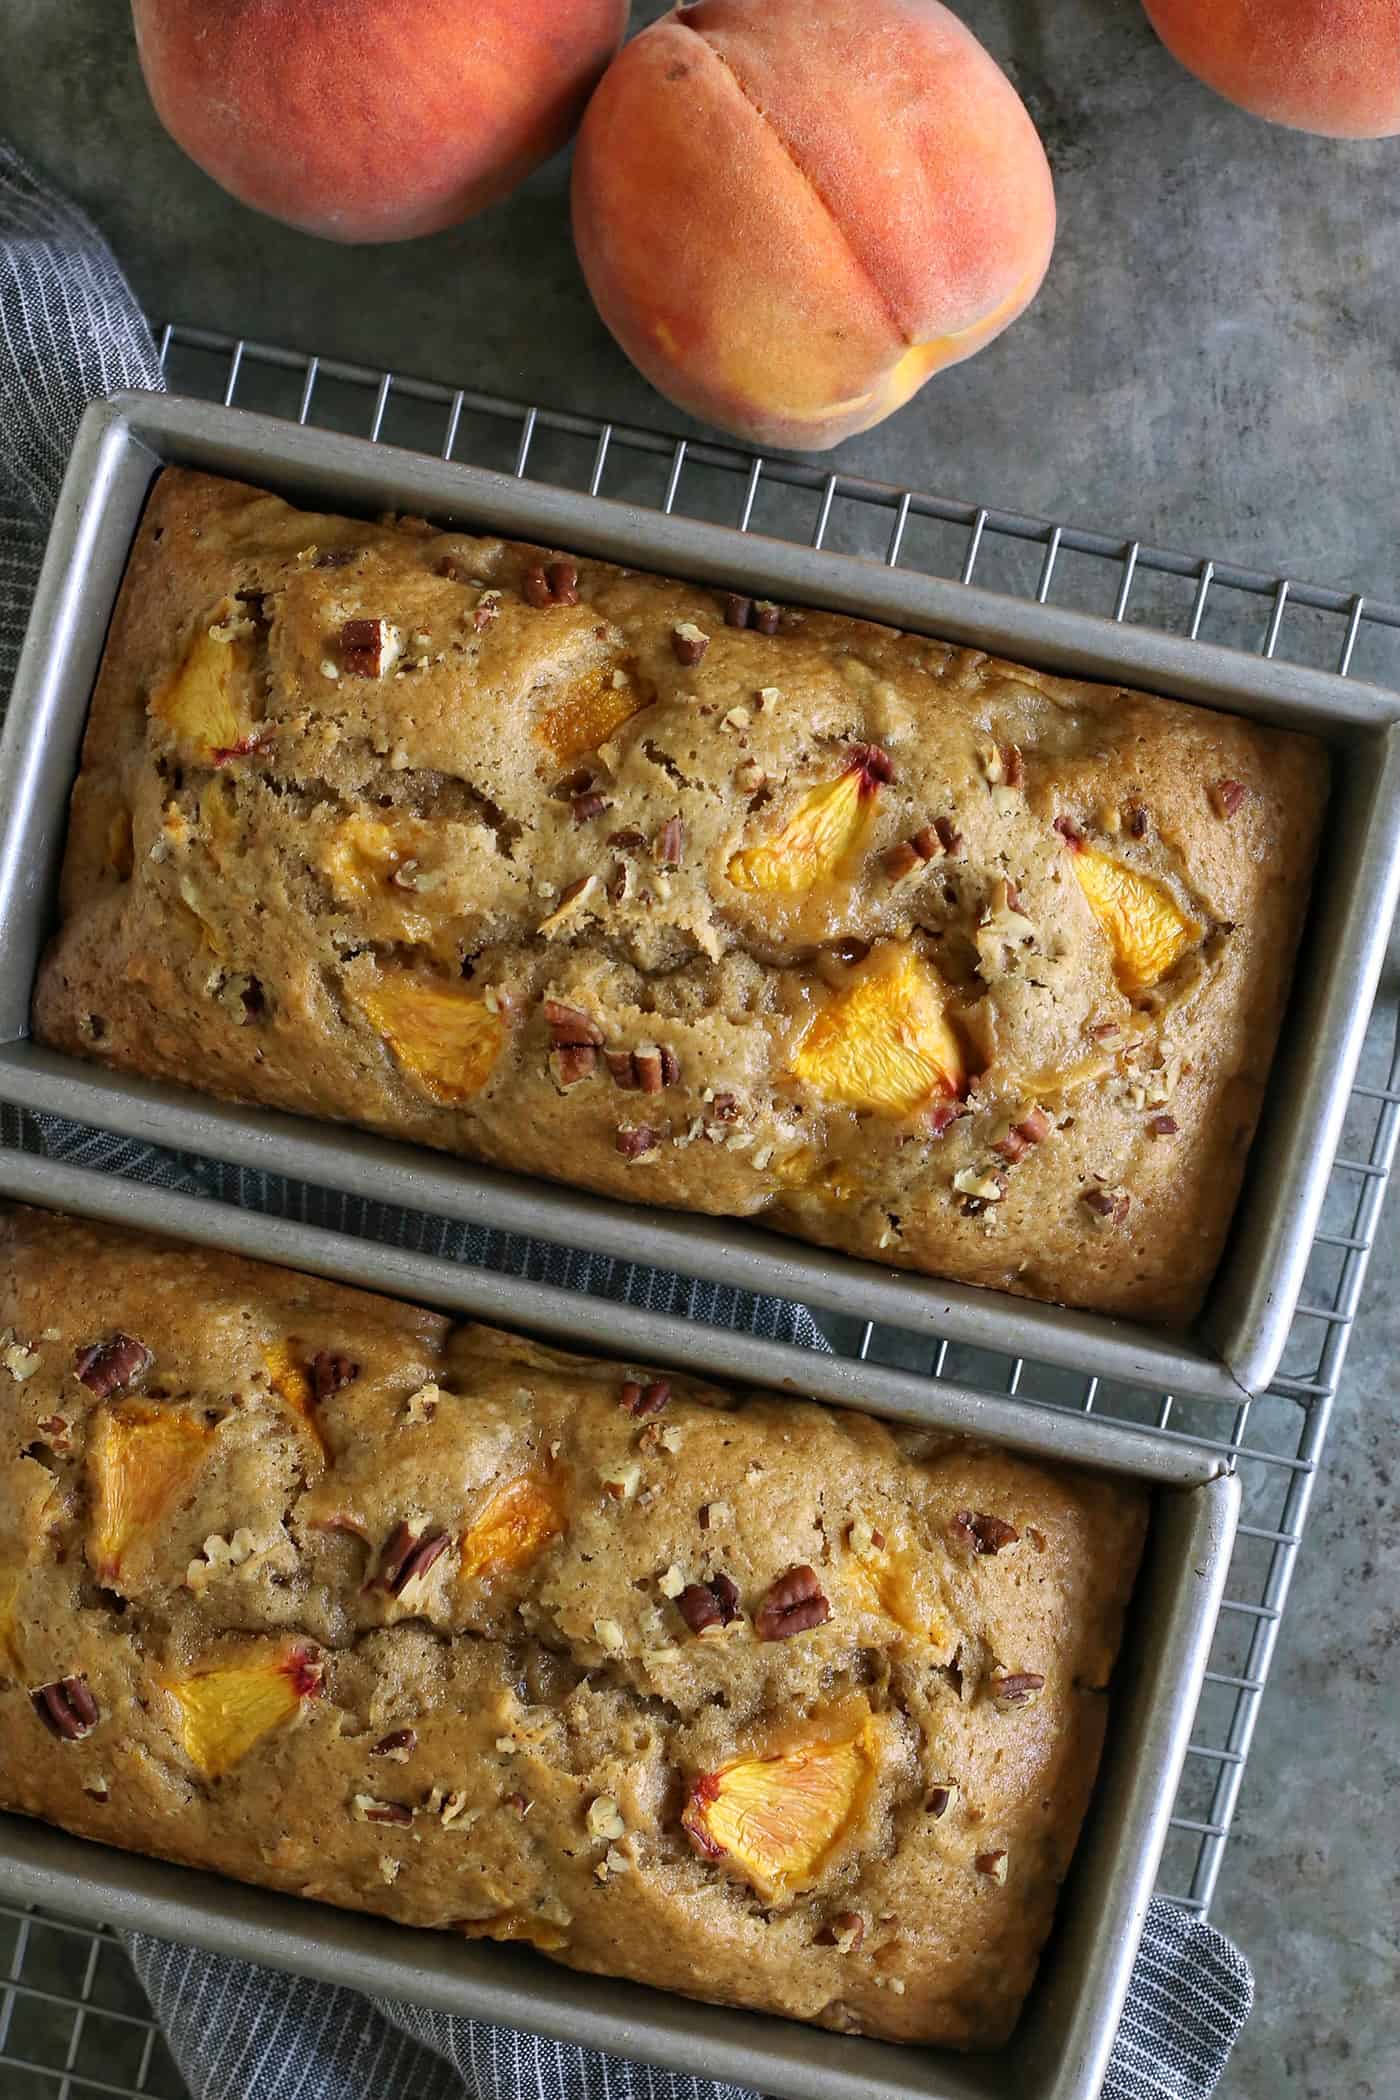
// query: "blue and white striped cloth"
[[70, 331]]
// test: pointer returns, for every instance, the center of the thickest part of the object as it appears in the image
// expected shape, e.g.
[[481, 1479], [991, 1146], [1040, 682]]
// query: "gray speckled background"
[[1213, 364]]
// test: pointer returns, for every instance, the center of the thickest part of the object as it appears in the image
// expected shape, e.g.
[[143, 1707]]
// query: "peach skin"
[[1331, 66], [372, 120], [791, 217]]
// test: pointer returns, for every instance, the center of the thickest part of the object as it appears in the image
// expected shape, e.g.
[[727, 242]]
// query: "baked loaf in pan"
[[685, 898], [735, 1695]]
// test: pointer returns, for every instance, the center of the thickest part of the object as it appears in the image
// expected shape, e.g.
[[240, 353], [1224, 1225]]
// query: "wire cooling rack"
[[72, 2017]]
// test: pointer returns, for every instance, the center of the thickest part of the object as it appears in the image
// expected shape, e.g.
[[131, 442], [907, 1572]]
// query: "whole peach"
[[1320, 65], [372, 120], [791, 215]]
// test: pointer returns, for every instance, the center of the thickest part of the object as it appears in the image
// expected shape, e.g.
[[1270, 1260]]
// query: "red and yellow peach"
[[1331, 66], [791, 216], [372, 120]]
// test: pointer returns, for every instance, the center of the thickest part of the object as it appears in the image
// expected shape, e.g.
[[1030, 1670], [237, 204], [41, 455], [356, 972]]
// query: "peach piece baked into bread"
[[683, 897], [738, 1696]]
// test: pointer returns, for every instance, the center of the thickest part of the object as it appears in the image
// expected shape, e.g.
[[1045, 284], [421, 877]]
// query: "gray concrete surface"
[[1212, 364]]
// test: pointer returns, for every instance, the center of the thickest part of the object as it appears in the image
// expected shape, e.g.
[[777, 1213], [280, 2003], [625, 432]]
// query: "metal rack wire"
[[71, 2016]]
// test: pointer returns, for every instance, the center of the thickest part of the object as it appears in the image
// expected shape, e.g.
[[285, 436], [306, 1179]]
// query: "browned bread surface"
[[318, 1590], [890, 945]]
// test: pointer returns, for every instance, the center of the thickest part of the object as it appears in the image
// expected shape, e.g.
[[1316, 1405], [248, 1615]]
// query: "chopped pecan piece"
[[1017, 1687], [368, 1810], [330, 1370], [766, 616], [621, 1067], [647, 1070], [1110, 1205], [795, 1603], [737, 610], [846, 1931], [635, 1139], [949, 837], [942, 1798], [992, 1864], [1032, 1128], [569, 1026], [67, 1708], [670, 843], [1135, 817], [1225, 796], [688, 643], [724, 1108], [572, 1063], [407, 1558], [365, 647], [453, 570], [708, 1607], [640, 1400], [1163, 1126], [1070, 832], [552, 583], [648, 1066], [589, 805], [1013, 766], [901, 861], [985, 1534], [113, 1365], [335, 558], [399, 1745]]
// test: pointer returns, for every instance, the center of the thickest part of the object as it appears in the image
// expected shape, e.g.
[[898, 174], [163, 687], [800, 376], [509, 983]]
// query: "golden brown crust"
[[355, 895], [513, 1742]]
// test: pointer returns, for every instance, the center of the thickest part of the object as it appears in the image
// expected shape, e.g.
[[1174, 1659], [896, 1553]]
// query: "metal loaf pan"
[[1062, 2044], [1239, 1342]]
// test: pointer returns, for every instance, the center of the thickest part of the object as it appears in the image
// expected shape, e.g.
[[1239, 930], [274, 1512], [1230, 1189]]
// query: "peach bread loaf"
[[740, 1696], [683, 897]]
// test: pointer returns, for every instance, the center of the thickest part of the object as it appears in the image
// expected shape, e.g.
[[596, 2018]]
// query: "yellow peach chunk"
[[820, 836], [519, 1520], [120, 851], [1145, 927], [10, 1580], [207, 704], [515, 1925], [777, 1818], [140, 1461], [885, 1583], [442, 1036], [223, 1713], [360, 858], [885, 1044], [592, 710], [288, 1376]]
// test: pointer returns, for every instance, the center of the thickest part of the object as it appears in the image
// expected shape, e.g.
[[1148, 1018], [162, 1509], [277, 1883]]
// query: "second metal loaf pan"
[[1061, 2046]]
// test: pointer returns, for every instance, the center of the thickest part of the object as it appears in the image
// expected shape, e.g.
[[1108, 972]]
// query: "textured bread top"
[[736, 1695], [902, 949]]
